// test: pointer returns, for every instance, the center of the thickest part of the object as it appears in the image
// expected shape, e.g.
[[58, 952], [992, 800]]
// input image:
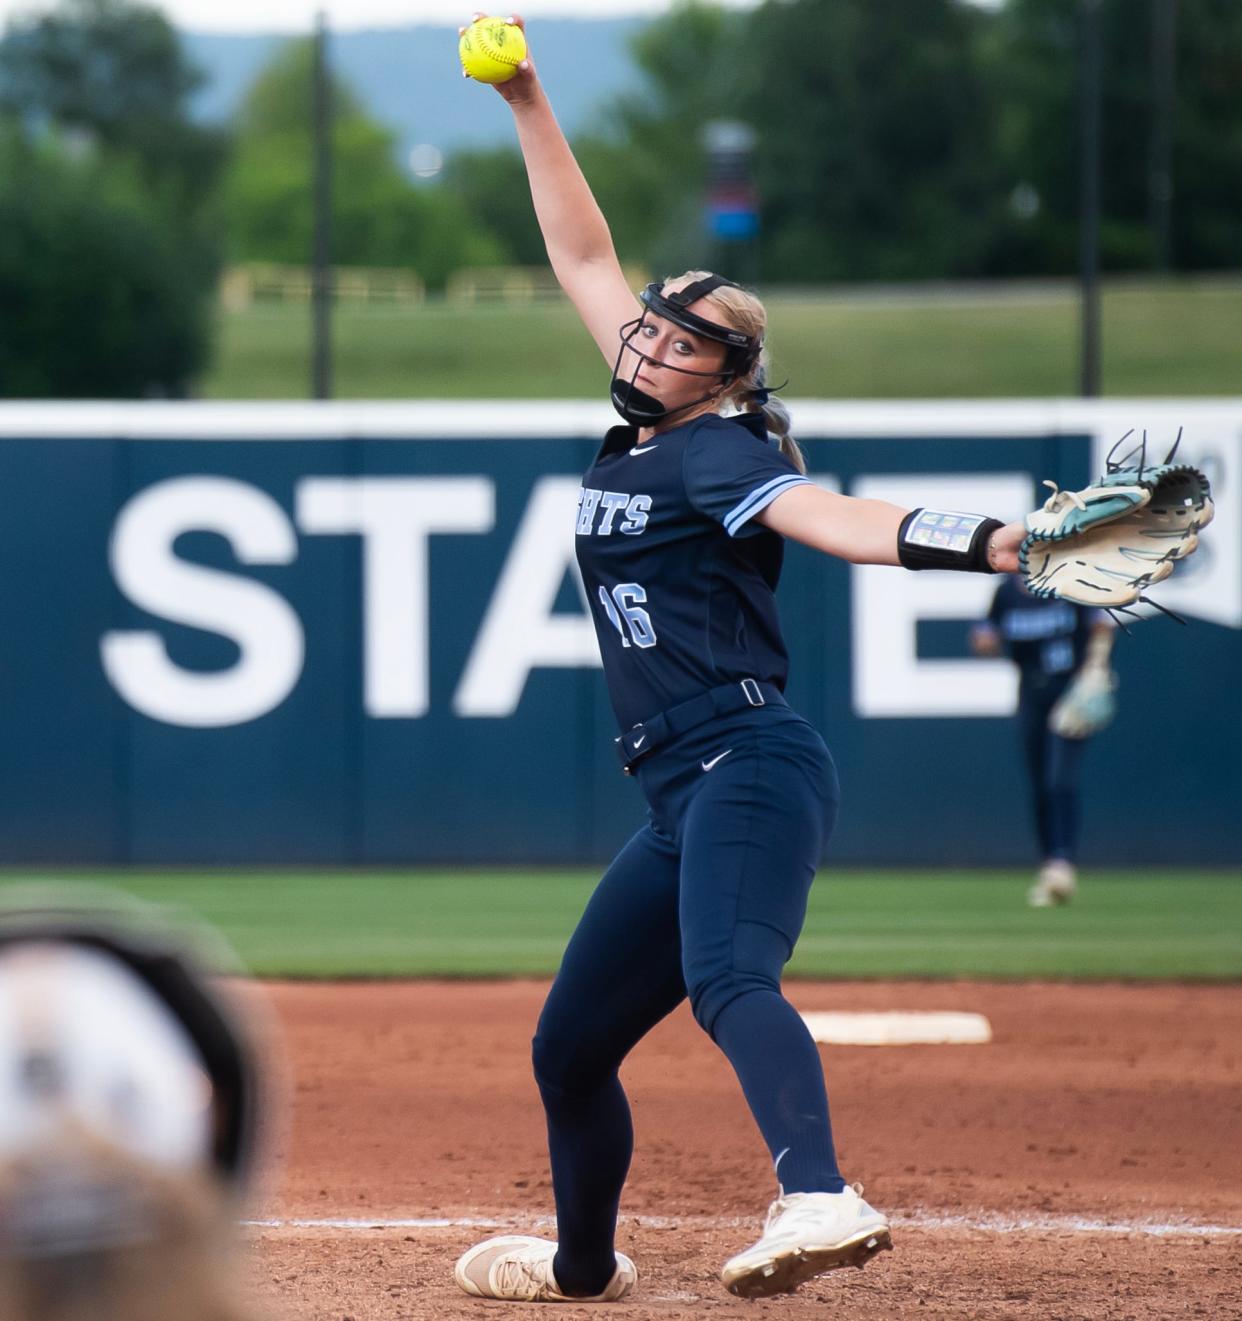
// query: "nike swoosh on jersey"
[[707, 765], [643, 449]]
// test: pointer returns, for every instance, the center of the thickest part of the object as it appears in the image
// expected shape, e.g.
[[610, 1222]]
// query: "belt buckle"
[[750, 690]]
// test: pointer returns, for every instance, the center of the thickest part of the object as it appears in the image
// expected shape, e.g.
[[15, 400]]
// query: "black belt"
[[645, 738]]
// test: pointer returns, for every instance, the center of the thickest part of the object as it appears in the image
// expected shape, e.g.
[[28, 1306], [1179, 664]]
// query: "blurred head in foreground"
[[127, 1102]]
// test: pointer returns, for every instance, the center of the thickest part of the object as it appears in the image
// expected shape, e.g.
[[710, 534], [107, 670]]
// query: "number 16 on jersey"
[[624, 609]]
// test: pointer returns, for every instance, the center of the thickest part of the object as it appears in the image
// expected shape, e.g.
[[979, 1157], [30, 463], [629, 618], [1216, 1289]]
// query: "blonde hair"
[[92, 1234], [741, 310]]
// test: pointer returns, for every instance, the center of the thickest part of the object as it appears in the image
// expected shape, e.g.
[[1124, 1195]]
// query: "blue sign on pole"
[[732, 199], [731, 220]]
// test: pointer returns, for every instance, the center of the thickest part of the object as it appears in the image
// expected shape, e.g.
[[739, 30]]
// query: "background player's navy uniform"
[[708, 898], [1047, 640]]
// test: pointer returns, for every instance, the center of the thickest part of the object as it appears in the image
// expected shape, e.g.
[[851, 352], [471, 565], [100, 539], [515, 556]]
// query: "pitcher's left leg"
[[750, 845], [751, 841]]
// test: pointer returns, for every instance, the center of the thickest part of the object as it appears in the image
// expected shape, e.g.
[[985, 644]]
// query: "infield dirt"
[[1085, 1164]]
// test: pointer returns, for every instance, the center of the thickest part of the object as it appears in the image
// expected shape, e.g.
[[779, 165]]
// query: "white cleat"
[[519, 1269], [807, 1234], [1056, 884]]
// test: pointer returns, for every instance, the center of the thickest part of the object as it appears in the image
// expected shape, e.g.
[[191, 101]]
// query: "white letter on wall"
[[395, 516], [519, 631], [263, 625], [889, 678]]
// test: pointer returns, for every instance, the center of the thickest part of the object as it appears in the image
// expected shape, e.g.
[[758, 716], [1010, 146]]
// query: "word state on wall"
[[395, 517]]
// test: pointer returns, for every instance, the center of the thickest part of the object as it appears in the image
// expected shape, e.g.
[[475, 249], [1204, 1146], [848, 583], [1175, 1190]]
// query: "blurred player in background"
[[680, 533], [1065, 694], [127, 1108]]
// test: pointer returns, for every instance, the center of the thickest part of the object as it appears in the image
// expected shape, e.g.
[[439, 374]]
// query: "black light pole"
[[1089, 218], [321, 256], [1164, 84]]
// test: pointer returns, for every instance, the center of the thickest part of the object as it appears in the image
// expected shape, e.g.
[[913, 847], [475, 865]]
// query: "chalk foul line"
[[980, 1223]]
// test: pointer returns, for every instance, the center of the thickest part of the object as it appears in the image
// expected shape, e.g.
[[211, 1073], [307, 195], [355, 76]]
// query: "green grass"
[[1171, 925], [1170, 338]]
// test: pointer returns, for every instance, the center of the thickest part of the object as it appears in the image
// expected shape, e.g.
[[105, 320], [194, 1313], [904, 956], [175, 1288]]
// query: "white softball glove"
[[1104, 545], [1087, 705]]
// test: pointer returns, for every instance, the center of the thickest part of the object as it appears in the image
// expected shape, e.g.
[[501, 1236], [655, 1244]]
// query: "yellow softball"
[[491, 50]]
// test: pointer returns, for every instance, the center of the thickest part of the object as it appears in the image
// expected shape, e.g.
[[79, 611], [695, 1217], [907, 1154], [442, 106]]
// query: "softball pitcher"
[[680, 531]]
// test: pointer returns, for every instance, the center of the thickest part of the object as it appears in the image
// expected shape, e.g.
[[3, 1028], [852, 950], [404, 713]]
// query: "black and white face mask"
[[641, 409]]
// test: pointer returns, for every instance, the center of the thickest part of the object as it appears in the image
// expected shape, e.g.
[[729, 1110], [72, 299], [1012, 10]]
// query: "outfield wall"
[[353, 634]]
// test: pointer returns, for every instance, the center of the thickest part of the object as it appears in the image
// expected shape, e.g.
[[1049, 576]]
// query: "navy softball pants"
[[705, 901], [1053, 766]]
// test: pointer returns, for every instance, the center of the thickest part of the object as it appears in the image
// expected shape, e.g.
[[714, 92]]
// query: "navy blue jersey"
[[680, 580], [1044, 638]]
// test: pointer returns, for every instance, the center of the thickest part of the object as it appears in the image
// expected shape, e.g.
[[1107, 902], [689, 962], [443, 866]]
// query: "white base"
[[899, 1029]]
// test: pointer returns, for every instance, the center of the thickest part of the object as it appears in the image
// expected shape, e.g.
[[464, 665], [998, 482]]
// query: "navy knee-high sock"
[[590, 1141], [1061, 793], [782, 1078]]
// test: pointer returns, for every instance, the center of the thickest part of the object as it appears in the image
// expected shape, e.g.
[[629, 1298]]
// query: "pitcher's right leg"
[[620, 976]]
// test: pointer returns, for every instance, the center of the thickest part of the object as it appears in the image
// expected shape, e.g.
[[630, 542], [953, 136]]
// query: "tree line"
[[919, 139]]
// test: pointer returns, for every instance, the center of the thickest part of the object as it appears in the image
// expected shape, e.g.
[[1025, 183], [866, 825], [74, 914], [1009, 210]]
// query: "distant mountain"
[[409, 78]]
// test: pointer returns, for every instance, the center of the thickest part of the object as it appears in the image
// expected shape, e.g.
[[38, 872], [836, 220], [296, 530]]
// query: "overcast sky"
[[298, 15]]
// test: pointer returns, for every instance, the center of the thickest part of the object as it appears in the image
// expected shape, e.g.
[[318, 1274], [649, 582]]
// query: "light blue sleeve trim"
[[759, 499]]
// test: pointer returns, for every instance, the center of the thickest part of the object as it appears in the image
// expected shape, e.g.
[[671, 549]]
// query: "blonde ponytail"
[[775, 414]]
